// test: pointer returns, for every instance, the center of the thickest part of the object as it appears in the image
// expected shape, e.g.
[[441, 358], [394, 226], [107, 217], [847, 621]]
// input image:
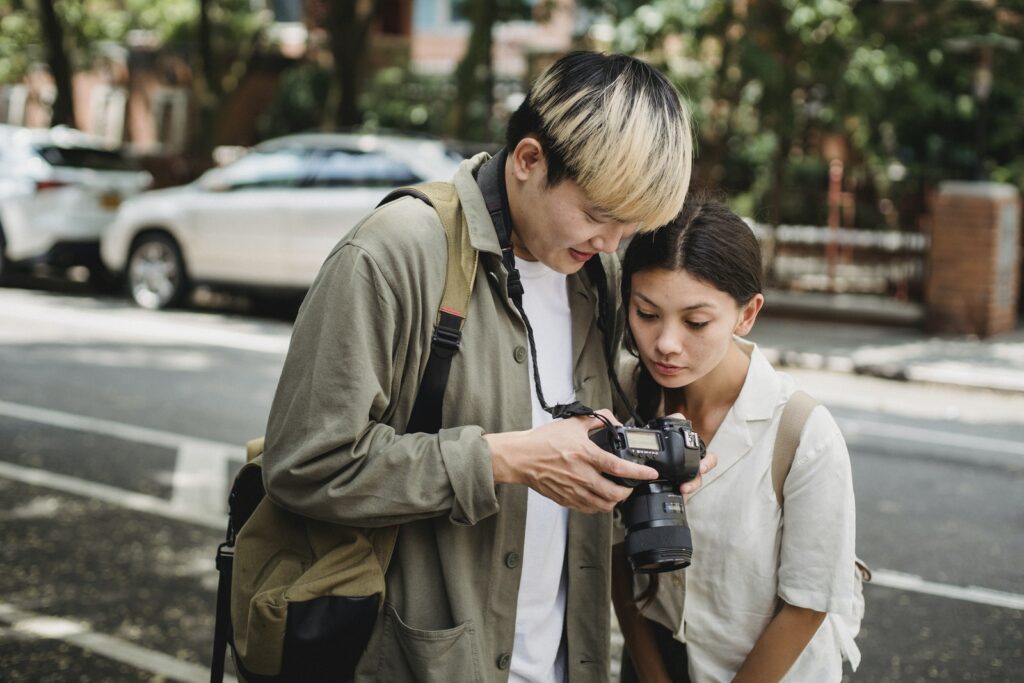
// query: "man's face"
[[559, 226]]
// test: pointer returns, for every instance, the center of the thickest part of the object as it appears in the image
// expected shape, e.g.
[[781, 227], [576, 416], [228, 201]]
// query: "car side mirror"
[[213, 181]]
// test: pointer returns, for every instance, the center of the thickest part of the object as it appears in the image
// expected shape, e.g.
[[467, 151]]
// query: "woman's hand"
[[707, 463]]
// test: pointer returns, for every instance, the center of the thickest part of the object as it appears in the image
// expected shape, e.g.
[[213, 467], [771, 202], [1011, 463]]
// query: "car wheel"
[[156, 275]]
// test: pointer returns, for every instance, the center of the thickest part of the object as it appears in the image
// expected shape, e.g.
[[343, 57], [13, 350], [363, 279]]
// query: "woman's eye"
[[697, 325], [645, 316]]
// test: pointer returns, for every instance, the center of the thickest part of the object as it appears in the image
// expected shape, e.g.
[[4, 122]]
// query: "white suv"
[[267, 220], [59, 189]]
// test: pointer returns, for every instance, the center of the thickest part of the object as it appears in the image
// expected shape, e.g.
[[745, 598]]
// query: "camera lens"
[[657, 536]]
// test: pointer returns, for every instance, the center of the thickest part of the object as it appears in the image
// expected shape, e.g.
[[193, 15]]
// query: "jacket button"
[[504, 660], [519, 354], [512, 560]]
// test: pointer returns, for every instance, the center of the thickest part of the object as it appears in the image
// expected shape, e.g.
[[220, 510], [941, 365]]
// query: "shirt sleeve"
[[816, 565], [331, 450]]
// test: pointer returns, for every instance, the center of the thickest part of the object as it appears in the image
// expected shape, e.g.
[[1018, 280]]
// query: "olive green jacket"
[[335, 451]]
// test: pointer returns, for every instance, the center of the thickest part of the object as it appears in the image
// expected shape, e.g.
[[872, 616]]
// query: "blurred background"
[[173, 172]]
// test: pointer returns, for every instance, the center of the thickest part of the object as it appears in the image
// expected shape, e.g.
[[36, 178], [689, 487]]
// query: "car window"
[[282, 168], [353, 168], [85, 157]]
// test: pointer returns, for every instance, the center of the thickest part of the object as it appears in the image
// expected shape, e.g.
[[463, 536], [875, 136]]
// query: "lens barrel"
[[657, 536]]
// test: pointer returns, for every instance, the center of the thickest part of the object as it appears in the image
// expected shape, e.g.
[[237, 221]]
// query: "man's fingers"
[[592, 422], [624, 469]]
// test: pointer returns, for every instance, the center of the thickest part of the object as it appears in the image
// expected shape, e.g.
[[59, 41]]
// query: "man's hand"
[[559, 461]]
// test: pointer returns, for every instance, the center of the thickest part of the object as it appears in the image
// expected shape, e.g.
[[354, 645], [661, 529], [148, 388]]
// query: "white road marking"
[[200, 477], [975, 594], [81, 635], [138, 325], [858, 427], [118, 430], [131, 500]]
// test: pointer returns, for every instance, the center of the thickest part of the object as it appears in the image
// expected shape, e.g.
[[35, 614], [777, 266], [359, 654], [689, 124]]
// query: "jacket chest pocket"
[[411, 654]]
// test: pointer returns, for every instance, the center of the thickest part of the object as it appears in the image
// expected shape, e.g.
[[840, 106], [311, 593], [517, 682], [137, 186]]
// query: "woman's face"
[[683, 327]]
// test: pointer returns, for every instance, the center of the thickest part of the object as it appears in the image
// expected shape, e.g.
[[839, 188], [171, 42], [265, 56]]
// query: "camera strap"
[[491, 180]]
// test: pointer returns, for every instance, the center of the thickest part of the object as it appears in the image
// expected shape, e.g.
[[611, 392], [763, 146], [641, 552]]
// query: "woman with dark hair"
[[762, 601]]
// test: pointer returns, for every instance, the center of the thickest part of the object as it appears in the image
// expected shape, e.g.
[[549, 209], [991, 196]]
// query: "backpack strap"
[[794, 417], [451, 314]]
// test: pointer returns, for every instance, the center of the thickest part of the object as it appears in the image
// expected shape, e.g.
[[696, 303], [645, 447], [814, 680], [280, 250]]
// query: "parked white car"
[[59, 189], [267, 220]]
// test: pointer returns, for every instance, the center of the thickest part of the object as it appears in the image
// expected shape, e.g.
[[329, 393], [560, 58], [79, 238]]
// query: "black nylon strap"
[[222, 621], [444, 344]]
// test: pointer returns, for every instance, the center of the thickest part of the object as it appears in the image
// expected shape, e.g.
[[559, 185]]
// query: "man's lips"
[[581, 256]]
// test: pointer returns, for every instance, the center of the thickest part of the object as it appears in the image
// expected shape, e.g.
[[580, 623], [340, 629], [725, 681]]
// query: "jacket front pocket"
[[411, 654]]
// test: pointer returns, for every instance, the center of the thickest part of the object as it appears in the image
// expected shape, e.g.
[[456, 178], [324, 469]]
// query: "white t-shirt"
[[539, 653], [743, 556]]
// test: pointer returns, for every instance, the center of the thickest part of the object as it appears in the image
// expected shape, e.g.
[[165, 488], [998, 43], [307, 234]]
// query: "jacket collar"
[[749, 416], [481, 230]]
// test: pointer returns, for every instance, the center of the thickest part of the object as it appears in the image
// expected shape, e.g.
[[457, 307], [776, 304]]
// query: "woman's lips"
[[580, 256], [667, 369]]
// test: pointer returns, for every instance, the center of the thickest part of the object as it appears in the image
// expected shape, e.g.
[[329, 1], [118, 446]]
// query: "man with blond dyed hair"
[[501, 568]]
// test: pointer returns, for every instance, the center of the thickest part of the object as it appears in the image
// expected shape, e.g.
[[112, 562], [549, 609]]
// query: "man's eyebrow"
[[691, 307], [599, 212]]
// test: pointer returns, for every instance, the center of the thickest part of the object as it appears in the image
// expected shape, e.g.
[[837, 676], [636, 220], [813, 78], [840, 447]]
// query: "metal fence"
[[843, 260]]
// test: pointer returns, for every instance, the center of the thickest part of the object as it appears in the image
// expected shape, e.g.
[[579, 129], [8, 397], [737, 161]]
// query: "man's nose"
[[608, 241]]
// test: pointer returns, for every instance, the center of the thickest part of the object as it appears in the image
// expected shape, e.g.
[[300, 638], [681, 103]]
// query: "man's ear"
[[528, 159], [748, 315]]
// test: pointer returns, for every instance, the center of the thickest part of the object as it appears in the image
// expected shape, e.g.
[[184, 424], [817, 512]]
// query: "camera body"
[[657, 536]]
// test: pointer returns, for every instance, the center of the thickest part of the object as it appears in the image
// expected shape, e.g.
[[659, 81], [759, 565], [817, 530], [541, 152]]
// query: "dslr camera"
[[657, 536]]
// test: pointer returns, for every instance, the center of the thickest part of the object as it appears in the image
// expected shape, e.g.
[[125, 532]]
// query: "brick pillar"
[[974, 265]]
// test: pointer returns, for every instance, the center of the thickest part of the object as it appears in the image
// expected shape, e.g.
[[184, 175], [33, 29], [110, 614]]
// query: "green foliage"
[[768, 83], [298, 103], [89, 26], [400, 99]]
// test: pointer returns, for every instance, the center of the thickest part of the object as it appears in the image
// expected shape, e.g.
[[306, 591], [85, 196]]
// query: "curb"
[[963, 376]]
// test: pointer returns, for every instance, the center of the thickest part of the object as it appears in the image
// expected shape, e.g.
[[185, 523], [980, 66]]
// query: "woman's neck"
[[707, 401]]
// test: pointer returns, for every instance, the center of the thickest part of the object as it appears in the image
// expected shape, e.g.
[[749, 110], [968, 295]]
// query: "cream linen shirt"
[[745, 558]]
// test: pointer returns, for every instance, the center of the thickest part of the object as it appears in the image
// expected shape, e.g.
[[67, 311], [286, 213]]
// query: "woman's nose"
[[668, 342]]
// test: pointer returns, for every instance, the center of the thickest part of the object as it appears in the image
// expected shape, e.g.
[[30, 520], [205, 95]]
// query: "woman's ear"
[[748, 315]]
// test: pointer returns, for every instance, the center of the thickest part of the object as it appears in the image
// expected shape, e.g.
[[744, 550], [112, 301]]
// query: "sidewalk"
[[821, 338]]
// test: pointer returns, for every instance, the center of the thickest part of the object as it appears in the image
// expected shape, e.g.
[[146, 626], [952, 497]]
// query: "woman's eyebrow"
[[691, 307]]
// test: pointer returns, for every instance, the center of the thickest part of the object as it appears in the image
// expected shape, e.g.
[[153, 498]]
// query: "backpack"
[[791, 424], [297, 598]]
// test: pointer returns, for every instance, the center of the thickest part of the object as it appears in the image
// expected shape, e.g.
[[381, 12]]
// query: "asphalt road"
[[120, 429]]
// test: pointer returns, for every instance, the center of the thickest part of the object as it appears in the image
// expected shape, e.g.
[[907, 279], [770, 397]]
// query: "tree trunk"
[[63, 112], [208, 69], [474, 77], [349, 25]]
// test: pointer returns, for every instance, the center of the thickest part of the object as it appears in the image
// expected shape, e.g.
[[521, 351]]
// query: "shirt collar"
[[755, 404]]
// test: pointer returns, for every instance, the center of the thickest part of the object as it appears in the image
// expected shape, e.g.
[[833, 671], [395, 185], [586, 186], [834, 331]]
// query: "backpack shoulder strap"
[[451, 314], [794, 417]]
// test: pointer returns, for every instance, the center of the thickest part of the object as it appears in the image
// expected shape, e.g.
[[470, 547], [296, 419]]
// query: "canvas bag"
[[298, 597], [794, 417]]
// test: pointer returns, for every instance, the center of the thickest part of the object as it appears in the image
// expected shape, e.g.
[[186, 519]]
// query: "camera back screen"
[[643, 440]]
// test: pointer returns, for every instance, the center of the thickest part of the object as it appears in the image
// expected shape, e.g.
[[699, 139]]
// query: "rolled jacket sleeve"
[[816, 561], [334, 448]]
